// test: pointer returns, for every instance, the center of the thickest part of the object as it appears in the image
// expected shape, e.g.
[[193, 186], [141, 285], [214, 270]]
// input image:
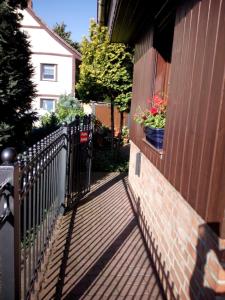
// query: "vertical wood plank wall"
[[194, 147], [103, 114]]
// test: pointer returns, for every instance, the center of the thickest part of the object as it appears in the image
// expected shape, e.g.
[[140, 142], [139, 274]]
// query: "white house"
[[54, 61]]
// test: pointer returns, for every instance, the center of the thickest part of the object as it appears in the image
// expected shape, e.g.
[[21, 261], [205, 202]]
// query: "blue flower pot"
[[155, 136]]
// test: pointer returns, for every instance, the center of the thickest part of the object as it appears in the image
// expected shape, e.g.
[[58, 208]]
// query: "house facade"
[[178, 192], [54, 61]]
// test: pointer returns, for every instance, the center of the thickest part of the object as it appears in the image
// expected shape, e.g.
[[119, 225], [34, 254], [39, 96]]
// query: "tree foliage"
[[16, 88], [67, 108], [17, 3], [105, 72], [5, 132], [123, 101], [49, 120], [106, 68], [60, 29]]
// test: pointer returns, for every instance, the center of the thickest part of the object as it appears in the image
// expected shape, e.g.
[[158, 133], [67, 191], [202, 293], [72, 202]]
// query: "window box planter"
[[155, 136]]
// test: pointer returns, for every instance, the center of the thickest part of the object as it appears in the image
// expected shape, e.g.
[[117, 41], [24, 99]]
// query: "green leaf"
[[106, 68]]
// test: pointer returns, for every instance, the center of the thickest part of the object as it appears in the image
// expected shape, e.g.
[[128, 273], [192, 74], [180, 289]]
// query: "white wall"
[[47, 50], [64, 74], [36, 105], [41, 40], [28, 20]]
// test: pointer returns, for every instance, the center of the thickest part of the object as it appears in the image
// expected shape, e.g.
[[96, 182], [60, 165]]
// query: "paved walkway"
[[99, 252]]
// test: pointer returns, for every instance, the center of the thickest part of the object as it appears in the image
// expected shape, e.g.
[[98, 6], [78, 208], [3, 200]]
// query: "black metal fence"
[[79, 158], [35, 188]]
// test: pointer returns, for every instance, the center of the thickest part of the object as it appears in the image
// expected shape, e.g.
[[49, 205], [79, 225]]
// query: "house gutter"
[[100, 12], [103, 18]]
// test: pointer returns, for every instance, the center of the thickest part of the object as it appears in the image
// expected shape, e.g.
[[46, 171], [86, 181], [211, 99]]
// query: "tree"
[[67, 108], [60, 29], [123, 102], [106, 69], [5, 132], [16, 88]]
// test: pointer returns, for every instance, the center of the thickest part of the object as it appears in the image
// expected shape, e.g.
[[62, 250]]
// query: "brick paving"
[[99, 252]]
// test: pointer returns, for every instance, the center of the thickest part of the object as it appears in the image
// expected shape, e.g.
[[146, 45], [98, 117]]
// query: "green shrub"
[[104, 161], [49, 120], [68, 107]]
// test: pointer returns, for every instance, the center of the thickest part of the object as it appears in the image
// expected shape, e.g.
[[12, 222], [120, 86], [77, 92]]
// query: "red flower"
[[158, 101], [148, 101], [153, 111]]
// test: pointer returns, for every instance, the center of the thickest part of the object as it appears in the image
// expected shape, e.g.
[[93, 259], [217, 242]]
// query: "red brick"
[[176, 212], [183, 296], [179, 272], [184, 254], [194, 238], [213, 266], [211, 281], [194, 222], [175, 279], [221, 244], [188, 273], [178, 255], [192, 251], [220, 288], [221, 274]]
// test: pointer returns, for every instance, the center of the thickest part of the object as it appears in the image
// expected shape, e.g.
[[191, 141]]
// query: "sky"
[[76, 14]]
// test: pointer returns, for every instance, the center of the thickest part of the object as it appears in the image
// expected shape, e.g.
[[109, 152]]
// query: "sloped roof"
[[127, 20], [55, 36]]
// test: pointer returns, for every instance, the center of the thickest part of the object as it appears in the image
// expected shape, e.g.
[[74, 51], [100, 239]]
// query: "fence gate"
[[33, 189], [79, 158]]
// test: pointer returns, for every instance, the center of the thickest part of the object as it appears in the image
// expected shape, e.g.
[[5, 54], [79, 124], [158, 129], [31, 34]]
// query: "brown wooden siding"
[[103, 114], [194, 146]]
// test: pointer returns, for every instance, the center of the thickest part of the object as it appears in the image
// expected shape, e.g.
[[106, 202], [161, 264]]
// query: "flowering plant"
[[155, 116]]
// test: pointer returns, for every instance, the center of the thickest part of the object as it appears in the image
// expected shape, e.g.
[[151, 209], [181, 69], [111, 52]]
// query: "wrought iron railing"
[[36, 187], [79, 159]]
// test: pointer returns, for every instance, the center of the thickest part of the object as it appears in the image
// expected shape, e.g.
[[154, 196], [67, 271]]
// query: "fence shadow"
[[99, 252], [151, 246], [197, 289]]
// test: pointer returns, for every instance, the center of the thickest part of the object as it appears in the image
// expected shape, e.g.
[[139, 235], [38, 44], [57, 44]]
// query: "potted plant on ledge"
[[153, 121]]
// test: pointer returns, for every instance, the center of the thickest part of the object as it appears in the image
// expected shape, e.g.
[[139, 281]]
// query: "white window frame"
[[53, 100], [54, 72]]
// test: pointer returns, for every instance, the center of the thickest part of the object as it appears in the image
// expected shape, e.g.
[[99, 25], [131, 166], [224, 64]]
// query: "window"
[[47, 104], [163, 42], [48, 72]]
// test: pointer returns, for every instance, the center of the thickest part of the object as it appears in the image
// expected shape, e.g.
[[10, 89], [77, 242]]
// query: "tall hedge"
[[16, 87]]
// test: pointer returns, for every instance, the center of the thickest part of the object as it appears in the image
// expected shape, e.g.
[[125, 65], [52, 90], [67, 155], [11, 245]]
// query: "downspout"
[[100, 12]]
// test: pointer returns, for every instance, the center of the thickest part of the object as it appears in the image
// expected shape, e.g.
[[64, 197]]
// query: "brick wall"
[[187, 254]]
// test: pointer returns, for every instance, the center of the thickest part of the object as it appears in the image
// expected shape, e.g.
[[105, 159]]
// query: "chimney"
[[30, 4]]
